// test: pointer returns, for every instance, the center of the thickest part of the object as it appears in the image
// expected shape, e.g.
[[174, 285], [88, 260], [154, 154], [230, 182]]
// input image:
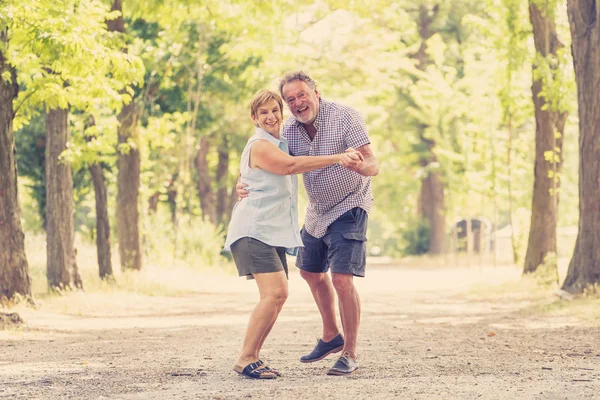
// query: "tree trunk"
[[153, 203], [103, 251], [513, 231], [102, 225], [221, 177], [431, 207], [431, 196], [584, 269], [172, 198], [62, 272], [548, 122], [207, 197], [14, 269], [128, 186]]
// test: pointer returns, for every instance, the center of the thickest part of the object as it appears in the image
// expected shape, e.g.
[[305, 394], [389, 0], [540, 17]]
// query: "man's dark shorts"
[[342, 249]]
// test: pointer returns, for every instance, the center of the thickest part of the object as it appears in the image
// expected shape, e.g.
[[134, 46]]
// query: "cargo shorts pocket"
[[358, 250]]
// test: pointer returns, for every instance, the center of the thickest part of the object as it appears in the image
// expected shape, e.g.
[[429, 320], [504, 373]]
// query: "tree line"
[[144, 103]]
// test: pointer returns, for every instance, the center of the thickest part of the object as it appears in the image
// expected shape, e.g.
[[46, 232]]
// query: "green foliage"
[[416, 239], [196, 244], [558, 80], [65, 56], [31, 146], [521, 220], [546, 274], [191, 68], [31, 216]]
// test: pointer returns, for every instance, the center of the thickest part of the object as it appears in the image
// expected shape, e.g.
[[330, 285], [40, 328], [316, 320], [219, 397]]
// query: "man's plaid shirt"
[[333, 190]]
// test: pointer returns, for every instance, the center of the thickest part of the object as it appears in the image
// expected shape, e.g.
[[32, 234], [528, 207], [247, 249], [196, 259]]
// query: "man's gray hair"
[[296, 76]]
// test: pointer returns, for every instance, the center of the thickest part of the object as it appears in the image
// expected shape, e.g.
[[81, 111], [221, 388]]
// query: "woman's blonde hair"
[[261, 97]]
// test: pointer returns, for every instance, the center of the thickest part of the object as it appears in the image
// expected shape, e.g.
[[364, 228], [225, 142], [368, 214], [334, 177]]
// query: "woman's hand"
[[352, 159]]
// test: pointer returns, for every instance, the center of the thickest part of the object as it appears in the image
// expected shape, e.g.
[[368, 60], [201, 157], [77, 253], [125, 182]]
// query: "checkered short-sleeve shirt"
[[333, 190]]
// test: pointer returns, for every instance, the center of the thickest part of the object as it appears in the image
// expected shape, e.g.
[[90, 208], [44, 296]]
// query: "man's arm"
[[370, 165], [240, 188]]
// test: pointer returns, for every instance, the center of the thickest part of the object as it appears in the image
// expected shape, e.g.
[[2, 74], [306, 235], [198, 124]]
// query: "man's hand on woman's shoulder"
[[241, 190]]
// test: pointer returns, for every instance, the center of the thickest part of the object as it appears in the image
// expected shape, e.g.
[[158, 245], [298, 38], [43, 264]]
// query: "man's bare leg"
[[349, 303], [324, 295]]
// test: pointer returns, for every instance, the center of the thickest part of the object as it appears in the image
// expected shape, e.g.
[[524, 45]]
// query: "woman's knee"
[[277, 296]]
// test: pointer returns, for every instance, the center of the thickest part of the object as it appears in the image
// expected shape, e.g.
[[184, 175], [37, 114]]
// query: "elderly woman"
[[265, 225]]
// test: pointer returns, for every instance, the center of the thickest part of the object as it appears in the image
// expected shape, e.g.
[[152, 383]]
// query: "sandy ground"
[[424, 335]]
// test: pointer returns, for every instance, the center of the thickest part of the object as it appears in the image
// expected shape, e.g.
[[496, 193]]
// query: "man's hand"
[[368, 165], [241, 190], [352, 159]]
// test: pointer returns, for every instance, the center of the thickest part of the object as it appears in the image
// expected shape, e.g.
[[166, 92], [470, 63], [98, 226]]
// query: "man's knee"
[[313, 278], [343, 283]]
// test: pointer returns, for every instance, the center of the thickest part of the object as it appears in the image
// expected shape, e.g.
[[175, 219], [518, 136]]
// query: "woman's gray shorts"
[[252, 256]]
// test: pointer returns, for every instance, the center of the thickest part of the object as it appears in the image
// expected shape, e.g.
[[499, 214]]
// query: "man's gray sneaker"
[[344, 365], [323, 349]]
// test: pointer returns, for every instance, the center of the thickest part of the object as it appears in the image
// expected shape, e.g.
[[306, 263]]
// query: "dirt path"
[[424, 335]]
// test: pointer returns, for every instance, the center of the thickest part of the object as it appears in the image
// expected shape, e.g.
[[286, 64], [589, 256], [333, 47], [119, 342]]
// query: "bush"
[[416, 239], [195, 242]]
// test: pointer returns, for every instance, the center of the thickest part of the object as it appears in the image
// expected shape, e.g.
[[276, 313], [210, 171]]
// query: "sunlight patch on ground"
[[546, 323], [458, 320]]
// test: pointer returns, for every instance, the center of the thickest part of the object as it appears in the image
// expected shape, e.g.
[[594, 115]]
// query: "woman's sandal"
[[255, 370], [261, 362]]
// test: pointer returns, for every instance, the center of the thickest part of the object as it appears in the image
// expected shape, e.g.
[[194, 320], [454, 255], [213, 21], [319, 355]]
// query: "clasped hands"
[[351, 159]]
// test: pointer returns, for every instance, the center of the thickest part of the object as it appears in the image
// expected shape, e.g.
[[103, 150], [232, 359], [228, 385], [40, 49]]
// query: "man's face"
[[302, 101]]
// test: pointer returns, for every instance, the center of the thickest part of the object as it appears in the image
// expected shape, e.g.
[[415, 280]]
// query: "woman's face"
[[268, 117]]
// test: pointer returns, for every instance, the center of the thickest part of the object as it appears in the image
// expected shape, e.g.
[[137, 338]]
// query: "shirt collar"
[[267, 136], [320, 114]]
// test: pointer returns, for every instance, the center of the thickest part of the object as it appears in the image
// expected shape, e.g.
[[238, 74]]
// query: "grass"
[[163, 277], [543, 297], [156, 278]]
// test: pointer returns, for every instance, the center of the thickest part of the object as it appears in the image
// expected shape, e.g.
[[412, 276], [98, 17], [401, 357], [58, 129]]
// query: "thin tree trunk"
[[221, 176], [62, 272], [181, 199], [207, 197], [102, 224], [431, 207], [103, 250], [14, 268], [172, 199], [431, 197], [513, 228], [544, 207], [128, 186], [584, 269], [153, 203]]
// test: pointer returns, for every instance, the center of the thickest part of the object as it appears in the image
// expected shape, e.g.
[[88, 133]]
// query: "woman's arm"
[[266, 156]]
